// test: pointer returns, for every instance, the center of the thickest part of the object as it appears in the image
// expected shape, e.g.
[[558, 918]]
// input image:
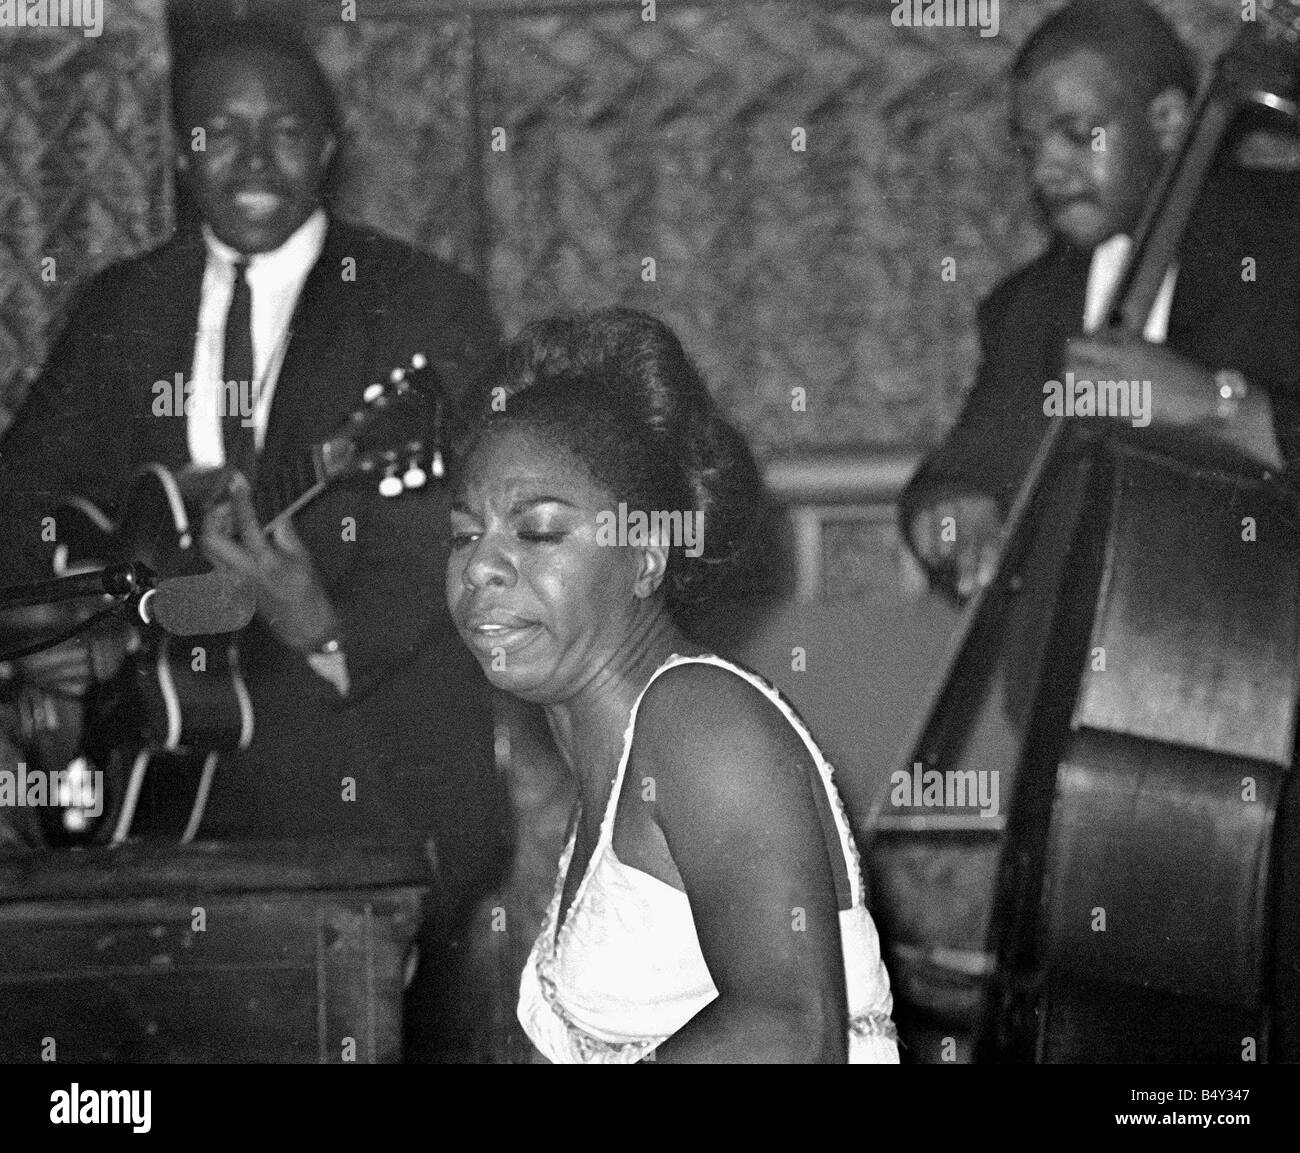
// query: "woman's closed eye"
[[465, 537], [465, 529]]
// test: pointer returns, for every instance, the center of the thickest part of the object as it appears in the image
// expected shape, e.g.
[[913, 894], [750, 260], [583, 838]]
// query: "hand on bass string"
[[1182, 398], [1175, 391], [291, 601]]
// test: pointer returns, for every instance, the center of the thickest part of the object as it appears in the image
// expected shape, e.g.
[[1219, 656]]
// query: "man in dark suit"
[[1100, 97], [370, 716]]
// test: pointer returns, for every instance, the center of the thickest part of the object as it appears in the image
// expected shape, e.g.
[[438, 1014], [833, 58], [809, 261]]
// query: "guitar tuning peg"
[[419, 361], [436, 465], [373, 392], [397, 375], [391, 485], [414, 476]]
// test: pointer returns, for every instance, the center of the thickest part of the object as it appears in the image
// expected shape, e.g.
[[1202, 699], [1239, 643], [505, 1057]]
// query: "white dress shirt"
[[1108, 261], [275, 279]]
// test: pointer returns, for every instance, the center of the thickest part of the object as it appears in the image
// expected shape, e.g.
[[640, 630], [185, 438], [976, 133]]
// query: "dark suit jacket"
[[415, 732], [1217, 318]]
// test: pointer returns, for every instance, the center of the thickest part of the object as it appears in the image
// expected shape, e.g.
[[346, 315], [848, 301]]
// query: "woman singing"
[[709, 904]]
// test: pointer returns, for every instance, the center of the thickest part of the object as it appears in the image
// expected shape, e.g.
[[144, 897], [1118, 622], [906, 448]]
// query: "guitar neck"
[[387, 438], [291, 487]]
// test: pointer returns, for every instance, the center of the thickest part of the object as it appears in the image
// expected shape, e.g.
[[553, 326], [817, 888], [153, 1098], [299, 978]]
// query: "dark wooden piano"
[[252, 952]]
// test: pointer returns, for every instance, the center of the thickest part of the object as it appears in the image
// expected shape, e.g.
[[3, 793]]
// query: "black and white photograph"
[[650, 532]]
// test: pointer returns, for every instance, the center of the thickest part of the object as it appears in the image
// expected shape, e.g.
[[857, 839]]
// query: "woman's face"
[[536, 599]]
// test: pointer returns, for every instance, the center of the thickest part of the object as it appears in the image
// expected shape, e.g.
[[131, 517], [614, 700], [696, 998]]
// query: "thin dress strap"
[[830, 794], [606, 835], [848, 848], [611, 807]]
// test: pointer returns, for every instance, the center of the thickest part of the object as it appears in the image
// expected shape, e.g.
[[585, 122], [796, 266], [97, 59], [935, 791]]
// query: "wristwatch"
[[1230, 390]]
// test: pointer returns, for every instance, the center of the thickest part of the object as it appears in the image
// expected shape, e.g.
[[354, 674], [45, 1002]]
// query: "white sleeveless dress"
[[626, 971]]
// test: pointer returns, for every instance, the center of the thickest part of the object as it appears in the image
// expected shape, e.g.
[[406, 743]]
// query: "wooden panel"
[[1183, 662], [196, 1017], [152, 869], [842, 522], [209, 953]]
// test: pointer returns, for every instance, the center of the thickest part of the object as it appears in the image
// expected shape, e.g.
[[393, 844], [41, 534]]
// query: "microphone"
[[119, 580], [210, 602]]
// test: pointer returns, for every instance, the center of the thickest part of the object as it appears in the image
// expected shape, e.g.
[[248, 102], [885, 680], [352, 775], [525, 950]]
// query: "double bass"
[[1136, 897]]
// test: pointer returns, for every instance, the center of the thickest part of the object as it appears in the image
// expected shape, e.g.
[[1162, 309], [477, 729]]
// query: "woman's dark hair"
[[1130, 34], [615, 388]]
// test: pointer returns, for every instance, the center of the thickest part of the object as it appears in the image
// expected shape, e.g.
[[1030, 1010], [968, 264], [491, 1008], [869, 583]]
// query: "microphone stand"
[[118, 580], [125, 581]]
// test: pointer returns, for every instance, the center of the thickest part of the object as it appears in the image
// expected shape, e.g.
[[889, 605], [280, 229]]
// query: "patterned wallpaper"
[[84, 164], [623, 139]]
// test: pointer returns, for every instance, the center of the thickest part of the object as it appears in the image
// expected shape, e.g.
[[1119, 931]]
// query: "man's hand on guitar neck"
[[291, 601]]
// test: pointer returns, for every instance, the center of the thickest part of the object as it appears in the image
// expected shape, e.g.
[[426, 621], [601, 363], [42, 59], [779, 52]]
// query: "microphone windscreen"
[[210, 602]]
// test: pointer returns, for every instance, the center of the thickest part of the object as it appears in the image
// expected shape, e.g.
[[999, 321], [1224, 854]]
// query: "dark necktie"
[[237, 366]]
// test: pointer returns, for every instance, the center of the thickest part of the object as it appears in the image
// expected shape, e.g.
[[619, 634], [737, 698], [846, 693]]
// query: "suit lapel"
[[321, 379], [169, 320], [1064, 297]]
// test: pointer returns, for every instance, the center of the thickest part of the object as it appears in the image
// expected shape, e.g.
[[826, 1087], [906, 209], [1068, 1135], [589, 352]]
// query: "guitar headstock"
[[394, 435]]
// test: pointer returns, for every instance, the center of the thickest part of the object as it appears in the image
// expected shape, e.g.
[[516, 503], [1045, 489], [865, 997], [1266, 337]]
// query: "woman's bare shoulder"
[[715, 726]]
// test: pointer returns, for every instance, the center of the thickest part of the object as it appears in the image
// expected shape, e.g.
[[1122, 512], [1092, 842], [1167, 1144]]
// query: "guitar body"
[[155, 727], [191, 688]]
